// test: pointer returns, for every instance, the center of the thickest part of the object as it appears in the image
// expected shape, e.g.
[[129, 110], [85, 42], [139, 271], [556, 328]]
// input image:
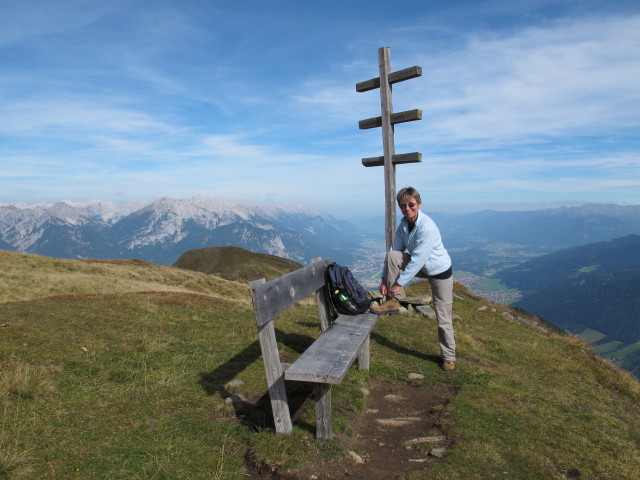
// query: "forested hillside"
[[593, 290], [614, 257]]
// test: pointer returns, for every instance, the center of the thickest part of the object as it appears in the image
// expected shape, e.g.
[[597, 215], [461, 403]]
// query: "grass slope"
[[132, 384], [235, 263], [27, 277]]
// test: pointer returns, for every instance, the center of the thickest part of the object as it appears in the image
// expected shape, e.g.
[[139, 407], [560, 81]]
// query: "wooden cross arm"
[[400, 117], [413, 157], [395, 77]]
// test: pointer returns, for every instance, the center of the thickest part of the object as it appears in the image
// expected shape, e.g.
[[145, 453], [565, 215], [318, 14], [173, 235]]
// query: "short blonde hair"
[[408, 192]]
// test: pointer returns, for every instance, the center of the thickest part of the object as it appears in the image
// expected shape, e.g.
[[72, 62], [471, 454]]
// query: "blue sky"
[[528, 103]]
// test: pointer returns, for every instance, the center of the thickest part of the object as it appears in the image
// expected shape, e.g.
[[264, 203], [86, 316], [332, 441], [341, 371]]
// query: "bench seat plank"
[[328, 359]]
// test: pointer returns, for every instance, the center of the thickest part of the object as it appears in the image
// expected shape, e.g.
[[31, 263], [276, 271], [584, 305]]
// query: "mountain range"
[[160, 231], [546, 229], [165, 228]]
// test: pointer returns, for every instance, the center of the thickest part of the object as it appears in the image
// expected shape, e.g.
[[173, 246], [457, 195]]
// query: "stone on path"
[[394, 398], [355, 457], [438, 452], [397, 422], [420, 440]]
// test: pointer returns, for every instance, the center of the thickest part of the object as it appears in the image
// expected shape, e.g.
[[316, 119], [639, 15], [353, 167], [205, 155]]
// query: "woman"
[[417, 251]]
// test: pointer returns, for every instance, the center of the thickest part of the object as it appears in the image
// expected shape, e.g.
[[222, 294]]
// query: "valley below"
[[478, 265], [474, 270]]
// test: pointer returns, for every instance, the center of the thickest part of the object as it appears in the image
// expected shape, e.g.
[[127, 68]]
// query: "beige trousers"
[[442, 292]]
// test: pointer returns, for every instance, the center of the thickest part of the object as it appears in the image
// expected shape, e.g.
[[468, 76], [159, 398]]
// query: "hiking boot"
[[390, 307], [449, 366]]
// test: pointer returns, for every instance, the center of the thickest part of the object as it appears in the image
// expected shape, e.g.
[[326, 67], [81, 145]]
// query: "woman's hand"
[[389, 292], [394, 290]]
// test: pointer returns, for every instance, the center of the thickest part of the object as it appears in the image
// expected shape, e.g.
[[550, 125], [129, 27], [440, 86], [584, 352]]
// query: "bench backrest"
[[274, 297]]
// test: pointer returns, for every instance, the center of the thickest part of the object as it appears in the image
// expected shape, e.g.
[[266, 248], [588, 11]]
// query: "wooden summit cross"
[[387, 121]]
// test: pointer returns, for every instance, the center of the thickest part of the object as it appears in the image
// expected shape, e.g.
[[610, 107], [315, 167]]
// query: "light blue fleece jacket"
[[424, 244]]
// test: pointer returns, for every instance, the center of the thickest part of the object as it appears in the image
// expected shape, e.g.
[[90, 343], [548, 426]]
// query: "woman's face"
[[409, 208]]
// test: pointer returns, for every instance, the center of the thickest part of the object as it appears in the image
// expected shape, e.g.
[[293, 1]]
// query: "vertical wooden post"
[[386, 106], [364, 355], [387, 121], [272, 367], [321, 299], [324, 428]]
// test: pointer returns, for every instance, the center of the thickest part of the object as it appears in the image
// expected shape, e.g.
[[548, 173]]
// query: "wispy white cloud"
[[571, 77], [76, 114]]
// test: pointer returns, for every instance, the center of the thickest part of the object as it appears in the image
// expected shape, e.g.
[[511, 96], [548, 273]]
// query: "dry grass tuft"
[[25, 381], [13, 463]]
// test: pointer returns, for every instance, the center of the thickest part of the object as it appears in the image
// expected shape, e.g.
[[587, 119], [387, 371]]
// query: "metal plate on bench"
[[328, 359]]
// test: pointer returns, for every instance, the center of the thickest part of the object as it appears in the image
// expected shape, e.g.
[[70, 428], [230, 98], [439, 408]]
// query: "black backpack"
[[345, 293]]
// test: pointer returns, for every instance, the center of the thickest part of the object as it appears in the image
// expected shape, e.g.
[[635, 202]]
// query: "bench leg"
[[324, 429], [363, 354], [275, 379]]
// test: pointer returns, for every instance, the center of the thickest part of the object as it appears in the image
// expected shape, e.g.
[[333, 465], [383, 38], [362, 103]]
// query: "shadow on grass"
[[258, 415], [380, 340]]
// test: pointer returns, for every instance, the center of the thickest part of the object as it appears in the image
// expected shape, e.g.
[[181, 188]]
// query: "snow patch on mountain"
[[163, 229]]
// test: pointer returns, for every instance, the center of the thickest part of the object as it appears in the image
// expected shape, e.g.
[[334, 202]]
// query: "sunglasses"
[[405, 205]]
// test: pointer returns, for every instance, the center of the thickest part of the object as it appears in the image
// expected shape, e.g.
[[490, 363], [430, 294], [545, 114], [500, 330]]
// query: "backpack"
[[345, 293]]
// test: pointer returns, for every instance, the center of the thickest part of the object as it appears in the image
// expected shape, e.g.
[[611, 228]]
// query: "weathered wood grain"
[[274, 297], [395, 77], [399, 158], [387, 121], [363, 354], [321, 300], [328, 359], [388, 145], [400, 117], [324, 427], [273, 371]]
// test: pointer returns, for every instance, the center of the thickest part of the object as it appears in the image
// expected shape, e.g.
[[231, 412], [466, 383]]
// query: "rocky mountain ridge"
[[161, 230]]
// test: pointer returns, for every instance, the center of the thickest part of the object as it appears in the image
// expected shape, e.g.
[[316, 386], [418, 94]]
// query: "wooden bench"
[[326, 361]]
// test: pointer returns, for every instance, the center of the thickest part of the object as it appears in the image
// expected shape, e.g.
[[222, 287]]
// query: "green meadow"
[[113, 370]]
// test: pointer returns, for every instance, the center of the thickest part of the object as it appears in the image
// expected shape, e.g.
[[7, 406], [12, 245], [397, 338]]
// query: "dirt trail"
[[401, 429]]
